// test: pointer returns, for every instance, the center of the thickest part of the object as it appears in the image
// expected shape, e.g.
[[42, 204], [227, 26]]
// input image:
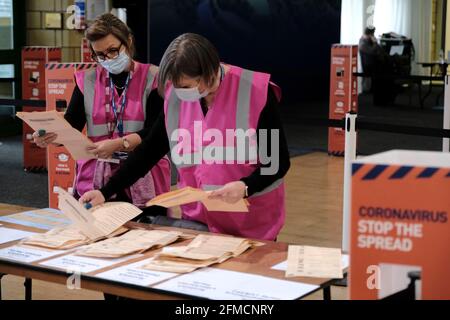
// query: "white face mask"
[[117, 65], [190, 94]]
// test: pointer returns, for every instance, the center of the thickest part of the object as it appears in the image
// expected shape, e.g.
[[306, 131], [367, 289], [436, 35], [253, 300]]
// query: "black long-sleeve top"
[[156, 145]]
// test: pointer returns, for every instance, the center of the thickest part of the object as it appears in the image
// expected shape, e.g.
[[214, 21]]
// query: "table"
[[257, 261], [417, 79], [441, 72]]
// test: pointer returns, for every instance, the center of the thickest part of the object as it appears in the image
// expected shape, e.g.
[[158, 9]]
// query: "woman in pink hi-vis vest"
[[117, 102], [222, 127]]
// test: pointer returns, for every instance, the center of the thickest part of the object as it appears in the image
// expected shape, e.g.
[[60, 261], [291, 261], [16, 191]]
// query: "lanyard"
[[118, 114]]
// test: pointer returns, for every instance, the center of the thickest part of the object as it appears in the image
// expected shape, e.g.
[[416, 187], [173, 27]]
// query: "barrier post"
[[446, 141], [349, 156]]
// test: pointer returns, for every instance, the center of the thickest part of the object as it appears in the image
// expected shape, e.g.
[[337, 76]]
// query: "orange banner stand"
[[86, 56], [343, 92], [61, 166], [34, 60], [400, 228]]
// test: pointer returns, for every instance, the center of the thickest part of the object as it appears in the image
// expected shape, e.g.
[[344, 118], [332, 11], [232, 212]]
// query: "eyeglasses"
[[110, 54]]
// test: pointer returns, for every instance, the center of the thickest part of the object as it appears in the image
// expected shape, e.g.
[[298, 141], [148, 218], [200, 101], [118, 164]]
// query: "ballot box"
[[60, 84], [343, 92], [400, 229], [34, 60]]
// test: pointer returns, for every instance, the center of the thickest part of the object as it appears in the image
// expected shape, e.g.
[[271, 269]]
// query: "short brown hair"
[[106, 24], [191, 55]]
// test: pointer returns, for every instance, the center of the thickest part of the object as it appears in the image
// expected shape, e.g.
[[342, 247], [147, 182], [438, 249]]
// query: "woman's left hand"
[[105, 149], [231, 192]]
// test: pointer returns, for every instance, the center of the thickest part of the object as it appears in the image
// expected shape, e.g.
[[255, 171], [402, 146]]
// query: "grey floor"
[[30, 189]]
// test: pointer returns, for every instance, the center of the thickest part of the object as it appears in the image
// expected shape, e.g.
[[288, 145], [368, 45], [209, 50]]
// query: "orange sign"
[[86, 56], [343, 92], [33, 88], [400, 228], [60, 85]]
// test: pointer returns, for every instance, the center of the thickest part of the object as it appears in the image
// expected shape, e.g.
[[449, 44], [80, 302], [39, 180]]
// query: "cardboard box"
[[400, 224]]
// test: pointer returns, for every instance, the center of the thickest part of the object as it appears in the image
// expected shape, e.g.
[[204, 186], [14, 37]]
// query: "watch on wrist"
[[246, 191]]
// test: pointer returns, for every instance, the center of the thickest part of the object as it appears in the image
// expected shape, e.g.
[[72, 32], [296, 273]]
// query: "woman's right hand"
[[93, 197], [45, 140]]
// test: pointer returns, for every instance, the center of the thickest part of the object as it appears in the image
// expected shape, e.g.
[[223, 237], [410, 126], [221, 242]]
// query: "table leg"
[[420, 95], [327, 293], [1, 276], [28, 288], [430, 88], [440, 95]]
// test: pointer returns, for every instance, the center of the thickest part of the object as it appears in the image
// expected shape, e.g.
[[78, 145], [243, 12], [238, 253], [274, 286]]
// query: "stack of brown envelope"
[[58, 238], [189, 195], [64, 238], [203, 251], [132, 242]]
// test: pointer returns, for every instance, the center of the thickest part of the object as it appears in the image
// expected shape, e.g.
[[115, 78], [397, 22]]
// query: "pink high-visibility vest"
[[94, 83], [207, 162]]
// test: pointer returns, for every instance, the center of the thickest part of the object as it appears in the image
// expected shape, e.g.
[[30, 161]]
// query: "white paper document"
[[134, 274], [282, 266], [219, 284], [45, 219], [27, 254], [8, 235], [316, 262], [83, 264], [53, 122], [97, 222]]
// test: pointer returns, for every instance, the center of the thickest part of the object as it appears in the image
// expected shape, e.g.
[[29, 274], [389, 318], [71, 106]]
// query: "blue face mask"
[[117, 65]]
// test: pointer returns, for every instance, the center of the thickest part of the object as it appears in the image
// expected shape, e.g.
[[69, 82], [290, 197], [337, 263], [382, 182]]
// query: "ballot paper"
[[203, 251], [27, 254], [97, 222], [134, 241], [44, 219], [52, 121], [80, 264], [306, 261], [282, 266], [134, 274], [8, 235], [58, 238], [220, 284], [188, 195]]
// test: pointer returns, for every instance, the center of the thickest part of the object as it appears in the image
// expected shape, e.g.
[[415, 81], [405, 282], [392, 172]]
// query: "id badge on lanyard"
[[111, 104]]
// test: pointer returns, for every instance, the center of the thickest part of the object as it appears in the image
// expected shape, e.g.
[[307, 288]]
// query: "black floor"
[[30, 189], [304, 138]]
